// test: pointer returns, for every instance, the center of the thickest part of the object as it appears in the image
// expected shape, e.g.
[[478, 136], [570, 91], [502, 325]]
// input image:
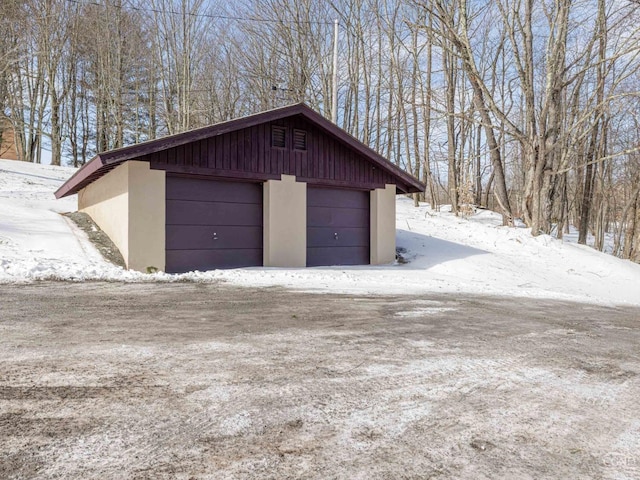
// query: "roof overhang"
[[106, 161]]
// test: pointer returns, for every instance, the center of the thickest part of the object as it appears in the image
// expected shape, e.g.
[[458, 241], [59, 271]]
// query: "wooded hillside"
[[529, 107]]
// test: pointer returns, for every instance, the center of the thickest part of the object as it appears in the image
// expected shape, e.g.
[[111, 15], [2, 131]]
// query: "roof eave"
[[88, 169], [407, 183], [413, 184]]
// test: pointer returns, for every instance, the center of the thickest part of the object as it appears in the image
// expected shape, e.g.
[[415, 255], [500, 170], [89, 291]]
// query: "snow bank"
[[445, 253]]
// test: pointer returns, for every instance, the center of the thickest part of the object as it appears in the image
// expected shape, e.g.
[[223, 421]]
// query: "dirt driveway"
[[104, 380]]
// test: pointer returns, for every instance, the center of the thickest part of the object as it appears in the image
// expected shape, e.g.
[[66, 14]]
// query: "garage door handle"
[[335, 235], [215, 236]]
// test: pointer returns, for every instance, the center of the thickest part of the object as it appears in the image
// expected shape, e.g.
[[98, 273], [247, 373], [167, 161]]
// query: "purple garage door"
[[337, 227], [212, 224]]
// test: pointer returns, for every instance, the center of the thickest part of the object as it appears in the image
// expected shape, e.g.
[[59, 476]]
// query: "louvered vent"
[[299, 140], [278, 138]]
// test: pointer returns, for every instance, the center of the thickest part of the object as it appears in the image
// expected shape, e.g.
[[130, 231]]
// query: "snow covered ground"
[[445, 253]]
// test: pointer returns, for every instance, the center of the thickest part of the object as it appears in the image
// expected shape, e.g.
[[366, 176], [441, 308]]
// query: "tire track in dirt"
[[164, 381]]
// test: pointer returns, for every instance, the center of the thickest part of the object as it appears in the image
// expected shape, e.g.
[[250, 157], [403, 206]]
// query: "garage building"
[[283, 188]]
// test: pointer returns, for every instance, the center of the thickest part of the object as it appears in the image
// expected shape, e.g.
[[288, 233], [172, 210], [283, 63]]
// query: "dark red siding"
[[212, 224], [241, 149], [247, 153], [337, 227]]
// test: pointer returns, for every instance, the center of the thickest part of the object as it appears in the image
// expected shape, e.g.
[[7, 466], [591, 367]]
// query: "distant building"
[[8, 150]]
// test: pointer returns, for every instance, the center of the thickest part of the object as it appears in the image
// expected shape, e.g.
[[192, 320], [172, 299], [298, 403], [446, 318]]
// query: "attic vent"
[[278, 138], [299, 140]]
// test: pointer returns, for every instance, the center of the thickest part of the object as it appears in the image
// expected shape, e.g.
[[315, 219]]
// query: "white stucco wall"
[[147, 222], [128, 204], [383, 225], [285, 223], [106, 201]]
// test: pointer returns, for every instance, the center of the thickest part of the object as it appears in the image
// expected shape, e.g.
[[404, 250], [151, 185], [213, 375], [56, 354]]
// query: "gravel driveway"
[[105, 380]]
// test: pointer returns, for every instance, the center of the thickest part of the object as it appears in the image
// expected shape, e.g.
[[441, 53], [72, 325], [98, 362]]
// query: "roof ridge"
[[107, 160]]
